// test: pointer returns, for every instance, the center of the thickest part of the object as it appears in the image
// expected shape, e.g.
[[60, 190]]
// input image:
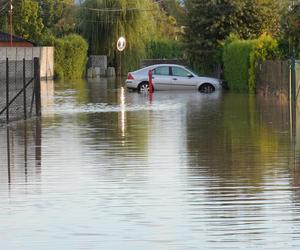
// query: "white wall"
[[46, 55]]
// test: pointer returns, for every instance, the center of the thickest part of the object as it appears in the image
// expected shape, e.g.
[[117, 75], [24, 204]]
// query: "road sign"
[[121, 44]]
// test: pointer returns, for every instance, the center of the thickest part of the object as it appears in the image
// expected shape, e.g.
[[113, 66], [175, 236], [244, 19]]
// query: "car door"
[[162, 79], [182, 78]]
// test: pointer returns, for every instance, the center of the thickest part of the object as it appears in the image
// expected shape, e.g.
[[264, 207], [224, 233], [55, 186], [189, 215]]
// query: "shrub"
[[242, 57], [265, 48], [236, 64], [70, 57], [164, 49], [59, 58]]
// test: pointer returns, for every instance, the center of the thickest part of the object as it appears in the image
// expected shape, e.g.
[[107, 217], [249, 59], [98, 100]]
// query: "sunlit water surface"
[[109, 169]]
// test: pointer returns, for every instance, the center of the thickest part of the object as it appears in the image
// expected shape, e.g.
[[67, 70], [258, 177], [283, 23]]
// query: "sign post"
[[121, 45]]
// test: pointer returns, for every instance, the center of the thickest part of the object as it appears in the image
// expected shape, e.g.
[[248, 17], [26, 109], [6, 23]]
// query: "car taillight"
[[130, 77]]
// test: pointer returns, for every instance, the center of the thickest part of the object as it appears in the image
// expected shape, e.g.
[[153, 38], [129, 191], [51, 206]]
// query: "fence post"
[[37, 86], [24, 90], [293, 77], [7, 91]]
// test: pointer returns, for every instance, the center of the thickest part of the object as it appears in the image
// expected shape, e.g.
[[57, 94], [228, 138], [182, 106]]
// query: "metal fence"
[[19, 90], [297, 79]]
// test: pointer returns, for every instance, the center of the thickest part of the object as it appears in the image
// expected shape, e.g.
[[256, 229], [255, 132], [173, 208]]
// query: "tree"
[[26, 21], [258, 17], [290, 24], [176, 9], [210, 22], [4, 21], [52, 11], [102, 22], [28, 24]]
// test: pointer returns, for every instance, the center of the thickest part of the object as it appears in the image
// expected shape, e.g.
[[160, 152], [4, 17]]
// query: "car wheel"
[[206, 88], [143, 87]]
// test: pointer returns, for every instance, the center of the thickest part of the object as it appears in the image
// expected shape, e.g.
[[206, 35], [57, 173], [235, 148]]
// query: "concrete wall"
[[97, 66], [46, 55]]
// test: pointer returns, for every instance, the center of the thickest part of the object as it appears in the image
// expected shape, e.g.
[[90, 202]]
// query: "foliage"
[[236, 63], [26, 20], [265, 48], [164, 49], [258, 17], [242, 57], [102, 28], [166, 26], [70, 56], [138, 21], [210, 22], [34, 19], [56, 13], [176, 9], [290, 23]]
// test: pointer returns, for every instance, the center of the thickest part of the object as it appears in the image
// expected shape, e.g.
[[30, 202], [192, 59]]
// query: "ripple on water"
[[185, 171]]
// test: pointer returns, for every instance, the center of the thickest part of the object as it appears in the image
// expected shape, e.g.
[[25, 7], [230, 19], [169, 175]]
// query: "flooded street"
[[110, 169]]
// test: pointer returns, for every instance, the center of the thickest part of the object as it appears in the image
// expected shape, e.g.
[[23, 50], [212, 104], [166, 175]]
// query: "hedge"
[[164, 49], [70, 57], [266, 48], [236, 64], [242, 57]]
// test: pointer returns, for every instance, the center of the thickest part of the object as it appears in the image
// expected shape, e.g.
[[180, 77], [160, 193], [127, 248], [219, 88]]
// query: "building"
[[16, 41]]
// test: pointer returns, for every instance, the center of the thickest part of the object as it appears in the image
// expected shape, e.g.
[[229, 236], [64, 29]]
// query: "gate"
[[20, 87]]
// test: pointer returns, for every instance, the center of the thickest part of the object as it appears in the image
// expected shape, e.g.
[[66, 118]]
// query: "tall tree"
[[210, 22], [290, 24], [26, 20], [176, 9], [102, 21], [4, 8], [57, 15]]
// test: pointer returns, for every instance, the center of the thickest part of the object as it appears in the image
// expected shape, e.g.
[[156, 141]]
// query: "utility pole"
[[10, 18]]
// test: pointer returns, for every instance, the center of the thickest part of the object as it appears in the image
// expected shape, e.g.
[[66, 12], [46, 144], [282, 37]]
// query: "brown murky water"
[[109, 169]]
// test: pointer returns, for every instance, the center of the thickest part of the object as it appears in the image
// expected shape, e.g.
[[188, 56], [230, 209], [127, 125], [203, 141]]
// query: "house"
[[5, 41]]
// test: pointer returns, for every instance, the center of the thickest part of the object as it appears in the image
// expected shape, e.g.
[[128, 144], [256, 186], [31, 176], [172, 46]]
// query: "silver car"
[[171, 77]]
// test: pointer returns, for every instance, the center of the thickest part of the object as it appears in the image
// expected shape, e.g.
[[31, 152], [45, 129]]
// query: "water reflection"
[[243, 136], [20, 139], [181, 171]]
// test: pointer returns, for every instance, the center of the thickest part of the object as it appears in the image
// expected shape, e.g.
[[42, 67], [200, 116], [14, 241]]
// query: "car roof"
[[157, 65], [168, 65], [160, 65]]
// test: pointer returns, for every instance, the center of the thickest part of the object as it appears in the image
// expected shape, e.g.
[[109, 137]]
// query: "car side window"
[[162, 71], [180, 72]]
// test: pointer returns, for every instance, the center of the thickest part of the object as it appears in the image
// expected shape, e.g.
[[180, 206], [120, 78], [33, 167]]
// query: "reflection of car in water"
[[171, 77]]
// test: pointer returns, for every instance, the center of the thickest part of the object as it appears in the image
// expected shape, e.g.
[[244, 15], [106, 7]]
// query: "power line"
[[118, 10]]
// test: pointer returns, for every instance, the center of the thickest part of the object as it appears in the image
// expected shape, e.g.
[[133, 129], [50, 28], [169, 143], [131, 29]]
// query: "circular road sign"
[[121, 44]]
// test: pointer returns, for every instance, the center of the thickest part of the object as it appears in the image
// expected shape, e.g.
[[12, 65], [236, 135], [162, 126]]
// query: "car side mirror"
[[190, 76]]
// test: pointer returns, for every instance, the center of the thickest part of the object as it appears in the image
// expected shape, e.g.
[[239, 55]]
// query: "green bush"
[[242, 57], [265, 48], [164, 49], [59, 58], [70, 57], [236, 56]]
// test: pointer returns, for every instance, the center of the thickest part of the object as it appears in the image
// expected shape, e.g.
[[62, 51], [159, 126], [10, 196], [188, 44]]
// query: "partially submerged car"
[[171, 77]]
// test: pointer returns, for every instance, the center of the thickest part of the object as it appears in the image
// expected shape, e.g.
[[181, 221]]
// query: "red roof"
[[5, 37]]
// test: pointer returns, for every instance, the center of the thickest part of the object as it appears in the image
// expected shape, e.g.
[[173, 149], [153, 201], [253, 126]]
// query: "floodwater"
[[109, 169]]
